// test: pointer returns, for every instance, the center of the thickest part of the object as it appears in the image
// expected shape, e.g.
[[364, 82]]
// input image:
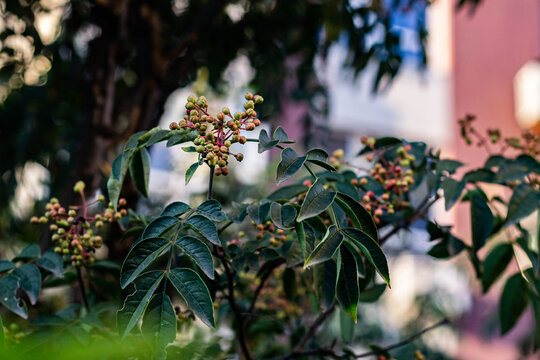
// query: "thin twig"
[[210, 182], [329, 352], [83, 289], [419, 213], [406, 341], [232, 302], [314, 326]]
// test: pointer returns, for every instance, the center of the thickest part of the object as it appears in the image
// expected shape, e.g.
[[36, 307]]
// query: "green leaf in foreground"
[[347, 285], [514, 300], [360, 217], [204, 227], [139, 169], [289, 165], [194, 291], [52, 262], [199, 252], [523, 202], [371, 250], [211, 209], [136, 303], [317, 200], [159, 321], [495, 263], [140, 257], [326, 248], [482, 221], [191, 171]]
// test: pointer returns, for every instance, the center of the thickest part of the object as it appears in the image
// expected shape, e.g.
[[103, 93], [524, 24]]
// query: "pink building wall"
[[489, 47]]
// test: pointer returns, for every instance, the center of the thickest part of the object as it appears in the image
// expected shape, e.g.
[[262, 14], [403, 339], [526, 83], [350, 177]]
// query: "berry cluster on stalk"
[[74, 230], [396, 177], [217, 134]]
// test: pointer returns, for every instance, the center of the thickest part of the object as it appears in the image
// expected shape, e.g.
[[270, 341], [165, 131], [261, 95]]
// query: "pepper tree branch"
[[314, 326], [329, 352], [220, 254]]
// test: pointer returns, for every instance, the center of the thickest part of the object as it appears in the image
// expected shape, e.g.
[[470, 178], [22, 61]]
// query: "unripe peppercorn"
[[221, 116], [239, 157], [237, 115], [35, 220], [258, 99], [218, 171], [122, 202], [242, 140], [249, 105], [256, 122], [173, 125], [227, 143], [248, 96], [79, 187], [225, 171]]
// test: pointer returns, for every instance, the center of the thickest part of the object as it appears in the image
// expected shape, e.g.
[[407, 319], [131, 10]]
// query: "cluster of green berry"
[[396, 177], [217, 134], [74, 231]]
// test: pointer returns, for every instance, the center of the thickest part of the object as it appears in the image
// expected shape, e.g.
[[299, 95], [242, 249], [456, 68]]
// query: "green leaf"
[[135, 304], [29, 252], [371, 250], [194, 291], [495, 263], [510, 171], [159, 321], [204, 227], [287, 192], [523, 202], [325, 279], [139, 169], [140, 257], [6, 265], [211, 209], [482, 221], [29, 281], [265, 143], [158, 136], [494, 161], [318, 157], [176, 208], [529, 163], [380, 143], [191, 171], [514, 300], [317, 200], [347, 284], [259, 212], [372, 294], [360, 217], [118, 174], [199, 252], [536, 308], [448, 165], [238, 212], [52, 262], [8, 290], [133, 140], [289, 165], [181, 136], [189, 149], [326, 248], [452, 191], [480, 175], [158, 227], [283, 215], [281, 136], [301, 235]]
